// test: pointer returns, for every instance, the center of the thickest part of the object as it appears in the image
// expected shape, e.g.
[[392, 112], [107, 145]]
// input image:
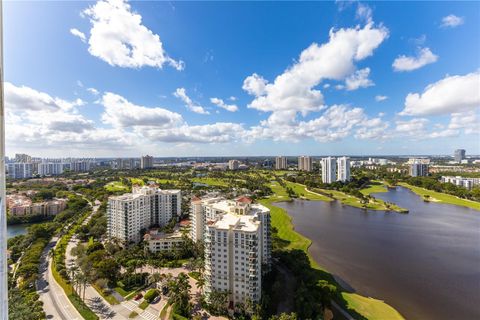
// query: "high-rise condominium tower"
[[343, 171], [237, 245], [329, 169], [459, 155], [233, 164], [418, 168], [305, 163], [146, 162], [281, 163], [145, 207]]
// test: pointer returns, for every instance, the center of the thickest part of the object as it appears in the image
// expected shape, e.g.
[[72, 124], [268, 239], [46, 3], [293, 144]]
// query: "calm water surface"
[[426, 263], [15, 230]]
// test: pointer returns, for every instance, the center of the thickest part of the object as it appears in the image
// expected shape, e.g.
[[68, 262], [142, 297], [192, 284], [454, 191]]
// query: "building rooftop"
[[156, 234]]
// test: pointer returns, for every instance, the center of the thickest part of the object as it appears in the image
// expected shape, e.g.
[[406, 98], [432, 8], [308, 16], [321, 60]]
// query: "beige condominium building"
[[237, 245], [147, 206], [305, 163], [281, 163]]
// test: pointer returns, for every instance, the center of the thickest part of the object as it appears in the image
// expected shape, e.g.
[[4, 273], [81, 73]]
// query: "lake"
[[426, 263], [15, 230]]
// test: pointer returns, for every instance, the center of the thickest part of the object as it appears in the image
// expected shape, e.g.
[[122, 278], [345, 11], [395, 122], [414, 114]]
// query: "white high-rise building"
[[329, 169], [52, 168], [233, 164], [281, 163], [146, 162], [305, 163], [80, 165], [343, 171], [19, 170], [237, 245], [145, 207]]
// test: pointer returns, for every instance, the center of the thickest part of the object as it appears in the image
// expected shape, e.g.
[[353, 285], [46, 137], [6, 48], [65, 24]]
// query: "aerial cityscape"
[[240, 160]]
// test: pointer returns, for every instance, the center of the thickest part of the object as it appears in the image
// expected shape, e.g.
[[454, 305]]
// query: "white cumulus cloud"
[[220, 103], [119, 38], [121, 113], [404, 63], [359, 79], [181, 93], [450, 95], [452, 21], [79, 34], [380, 98], [295, 90]]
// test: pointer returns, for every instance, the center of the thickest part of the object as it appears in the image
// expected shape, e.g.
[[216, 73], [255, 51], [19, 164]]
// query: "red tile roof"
[[244, 200]]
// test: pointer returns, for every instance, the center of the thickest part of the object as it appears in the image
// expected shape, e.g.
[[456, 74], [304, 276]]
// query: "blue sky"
[[114, 78]]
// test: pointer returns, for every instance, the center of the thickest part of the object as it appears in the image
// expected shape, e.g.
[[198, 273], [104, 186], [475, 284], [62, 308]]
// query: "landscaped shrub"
[[151, 295]]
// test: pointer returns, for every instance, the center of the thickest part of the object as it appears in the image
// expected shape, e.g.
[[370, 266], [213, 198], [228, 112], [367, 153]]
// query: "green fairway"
[[302, 192], [211, 181], [442, 197], [374, 188], [137, 181], [115, 186], [373, 203]]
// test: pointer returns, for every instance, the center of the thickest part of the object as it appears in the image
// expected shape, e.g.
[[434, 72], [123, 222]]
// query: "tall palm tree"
[[201, 283], [154, 278]]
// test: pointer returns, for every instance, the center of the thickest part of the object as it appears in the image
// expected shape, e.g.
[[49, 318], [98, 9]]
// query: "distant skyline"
[[177, 79]]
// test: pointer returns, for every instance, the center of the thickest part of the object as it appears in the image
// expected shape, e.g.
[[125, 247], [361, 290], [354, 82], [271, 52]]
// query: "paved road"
[[55, 302]]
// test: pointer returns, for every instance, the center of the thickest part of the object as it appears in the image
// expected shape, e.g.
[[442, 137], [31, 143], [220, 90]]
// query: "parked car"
[[138, 297]]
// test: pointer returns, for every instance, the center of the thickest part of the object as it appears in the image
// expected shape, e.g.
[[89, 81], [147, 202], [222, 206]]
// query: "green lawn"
[[144, 305], [442, 197], [211, 181], [137, 181], [371, 309], [195, 275], [110, 298], [115, 186], [374, 188]]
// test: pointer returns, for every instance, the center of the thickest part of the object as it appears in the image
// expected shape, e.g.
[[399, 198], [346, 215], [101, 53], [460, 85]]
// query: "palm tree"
[[154, 278], [201, 283]]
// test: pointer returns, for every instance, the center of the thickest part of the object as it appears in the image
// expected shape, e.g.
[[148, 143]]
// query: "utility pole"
[[3, 215]]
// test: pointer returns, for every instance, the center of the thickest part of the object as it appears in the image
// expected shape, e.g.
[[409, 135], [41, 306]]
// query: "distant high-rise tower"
[[280, 163], [233, 164], [21, 157], [418, 168], [305, 163], [146, 162], [329, 169], [459, 155], [343, 172]]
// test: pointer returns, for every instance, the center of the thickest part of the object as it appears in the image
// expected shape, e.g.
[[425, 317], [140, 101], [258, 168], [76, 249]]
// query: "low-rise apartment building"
[[158, 241], [20, 205], [467, 183]]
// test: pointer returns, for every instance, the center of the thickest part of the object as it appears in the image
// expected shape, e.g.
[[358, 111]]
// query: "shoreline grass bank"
[[430, 195]]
